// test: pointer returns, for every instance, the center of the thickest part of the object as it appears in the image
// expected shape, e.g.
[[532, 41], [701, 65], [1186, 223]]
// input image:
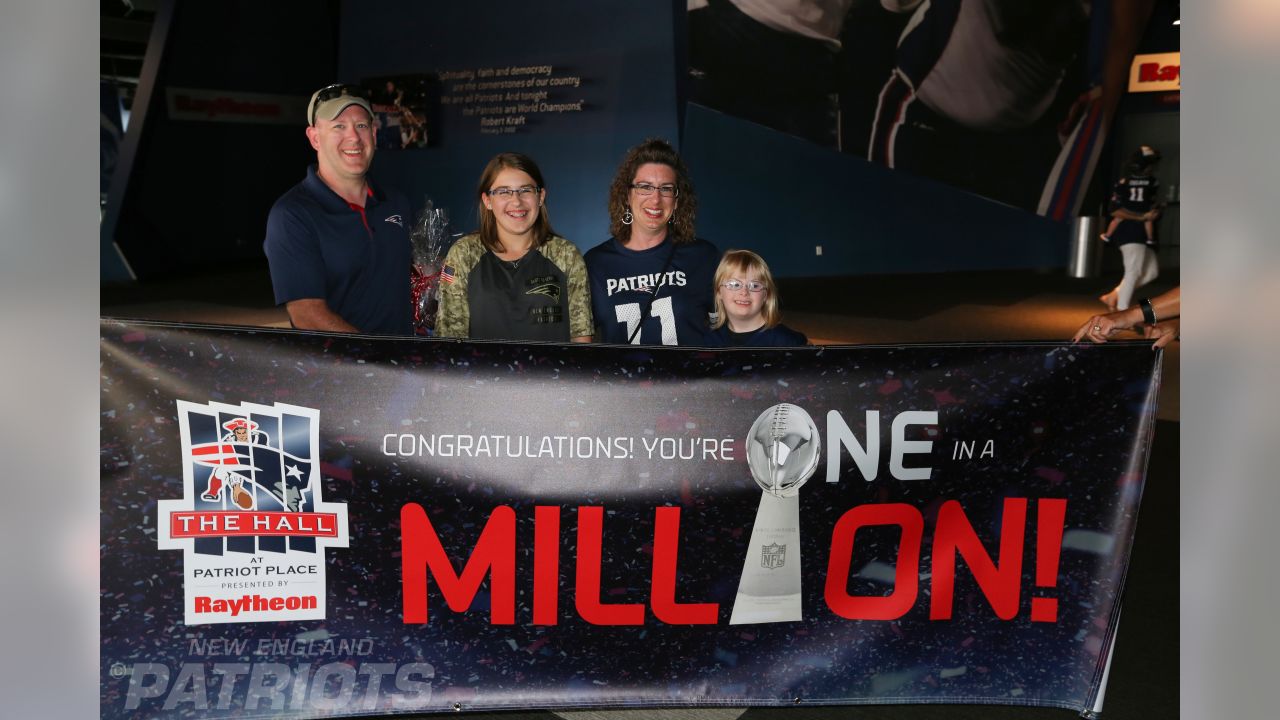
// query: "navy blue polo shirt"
[[320, 246]]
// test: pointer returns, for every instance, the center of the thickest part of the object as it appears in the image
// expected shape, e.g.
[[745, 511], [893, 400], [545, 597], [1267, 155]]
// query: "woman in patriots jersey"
[[651, 283]]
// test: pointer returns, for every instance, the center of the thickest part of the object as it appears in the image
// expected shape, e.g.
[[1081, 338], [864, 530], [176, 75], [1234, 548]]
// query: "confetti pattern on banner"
[[629, 429]]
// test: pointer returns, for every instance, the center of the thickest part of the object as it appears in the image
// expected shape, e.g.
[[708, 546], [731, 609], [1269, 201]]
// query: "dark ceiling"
[[125, 28]]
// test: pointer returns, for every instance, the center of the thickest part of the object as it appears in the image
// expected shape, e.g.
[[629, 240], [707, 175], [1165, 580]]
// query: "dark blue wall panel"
[[762, 190], [623, 51]]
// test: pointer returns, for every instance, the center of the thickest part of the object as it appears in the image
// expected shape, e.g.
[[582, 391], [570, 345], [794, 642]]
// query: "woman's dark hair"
[[653, 150], [542, 230]]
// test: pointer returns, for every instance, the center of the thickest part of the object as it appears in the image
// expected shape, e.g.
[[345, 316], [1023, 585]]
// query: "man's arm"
[[1166, 306], [298, 271], [314, 314], [1163, 332]]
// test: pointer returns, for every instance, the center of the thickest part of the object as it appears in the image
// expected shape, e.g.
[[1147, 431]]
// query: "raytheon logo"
[[254, 603], [1159, 72], [252, 525]]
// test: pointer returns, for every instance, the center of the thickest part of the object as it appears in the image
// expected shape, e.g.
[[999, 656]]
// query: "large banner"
[[303, 525]]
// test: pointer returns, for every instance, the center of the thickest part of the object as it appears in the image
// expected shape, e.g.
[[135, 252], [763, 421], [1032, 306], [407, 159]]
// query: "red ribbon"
[[419, 283]]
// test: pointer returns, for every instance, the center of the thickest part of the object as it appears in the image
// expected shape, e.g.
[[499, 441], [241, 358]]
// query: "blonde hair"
[[737, 262]]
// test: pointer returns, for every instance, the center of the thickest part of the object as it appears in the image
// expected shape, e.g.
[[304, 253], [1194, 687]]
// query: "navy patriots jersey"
[[676, 304], [1136, 193]]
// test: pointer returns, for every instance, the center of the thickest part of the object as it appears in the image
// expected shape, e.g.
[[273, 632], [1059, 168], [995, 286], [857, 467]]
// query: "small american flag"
[[446, 273]]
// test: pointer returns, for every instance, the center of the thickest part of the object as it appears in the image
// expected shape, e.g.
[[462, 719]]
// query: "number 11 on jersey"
[[629, 315]]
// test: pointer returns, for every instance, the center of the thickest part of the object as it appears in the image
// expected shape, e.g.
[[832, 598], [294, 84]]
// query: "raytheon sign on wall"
[[1161, 72]]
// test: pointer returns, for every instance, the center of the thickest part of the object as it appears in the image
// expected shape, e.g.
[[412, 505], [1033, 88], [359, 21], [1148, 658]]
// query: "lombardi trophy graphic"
[[783, 449]]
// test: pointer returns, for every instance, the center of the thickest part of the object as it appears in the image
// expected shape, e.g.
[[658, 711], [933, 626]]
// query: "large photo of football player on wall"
[[1007, 99]]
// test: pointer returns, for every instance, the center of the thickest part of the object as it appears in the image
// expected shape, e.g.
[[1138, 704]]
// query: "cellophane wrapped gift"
[[430, 239]]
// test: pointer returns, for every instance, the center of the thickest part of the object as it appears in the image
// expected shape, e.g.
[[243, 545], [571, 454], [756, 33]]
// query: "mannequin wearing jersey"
[[651, 281]]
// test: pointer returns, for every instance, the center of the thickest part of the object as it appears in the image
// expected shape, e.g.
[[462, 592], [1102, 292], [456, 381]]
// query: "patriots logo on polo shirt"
[[396, 219]]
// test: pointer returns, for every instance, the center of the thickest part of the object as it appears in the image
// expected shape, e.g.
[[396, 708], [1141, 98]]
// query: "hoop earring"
[[627, 217]]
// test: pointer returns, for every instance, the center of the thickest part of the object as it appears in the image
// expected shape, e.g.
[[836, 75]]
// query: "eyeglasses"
[[505, 193], [754, 286], [335, 90], [666, 191]]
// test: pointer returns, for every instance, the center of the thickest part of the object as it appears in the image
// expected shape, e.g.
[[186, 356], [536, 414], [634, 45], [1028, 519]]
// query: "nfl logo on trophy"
[[783, 450], [773, 556]]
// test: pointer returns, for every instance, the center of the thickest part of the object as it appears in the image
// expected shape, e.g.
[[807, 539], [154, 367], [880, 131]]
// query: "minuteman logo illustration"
[[251, 524]]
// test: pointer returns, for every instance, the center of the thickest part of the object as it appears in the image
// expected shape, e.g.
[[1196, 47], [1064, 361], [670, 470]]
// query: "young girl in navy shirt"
[[747, 312]]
